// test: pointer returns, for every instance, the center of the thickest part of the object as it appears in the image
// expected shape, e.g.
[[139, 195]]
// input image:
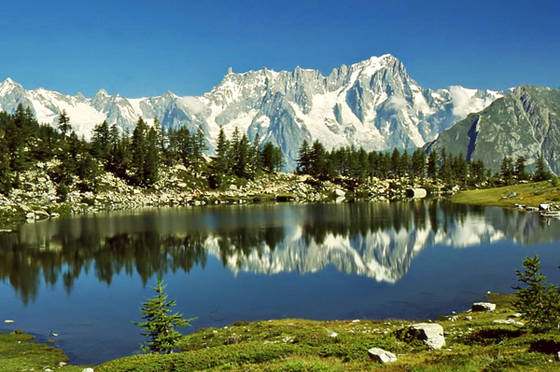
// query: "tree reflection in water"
[[382, 237]]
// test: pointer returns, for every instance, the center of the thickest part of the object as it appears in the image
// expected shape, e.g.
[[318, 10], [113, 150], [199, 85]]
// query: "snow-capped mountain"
[[373, 103]]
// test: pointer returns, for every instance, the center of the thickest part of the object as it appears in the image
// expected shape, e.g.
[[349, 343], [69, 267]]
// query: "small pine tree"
[[159, 324], [537, 300]]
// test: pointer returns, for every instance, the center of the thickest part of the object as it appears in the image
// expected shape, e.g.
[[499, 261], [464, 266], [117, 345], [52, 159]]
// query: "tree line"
[[357, 163], [136, 157]]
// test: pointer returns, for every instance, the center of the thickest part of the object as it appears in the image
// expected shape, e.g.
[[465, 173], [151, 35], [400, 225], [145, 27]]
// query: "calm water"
[[86, 277]]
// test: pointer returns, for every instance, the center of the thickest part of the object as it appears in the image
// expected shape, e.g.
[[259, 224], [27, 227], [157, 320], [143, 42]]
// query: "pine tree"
[[507, 169], [395, 162], [5, 172], [159, 323], [64, 123], [537, 300], [418, 163], [220, 161], [139, 151], [541, 173], [303, 161], [432, 166], [101, 141], [520, 172]]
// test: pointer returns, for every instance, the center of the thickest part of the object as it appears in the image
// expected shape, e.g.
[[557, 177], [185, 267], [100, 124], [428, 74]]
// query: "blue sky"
[[143, 48]]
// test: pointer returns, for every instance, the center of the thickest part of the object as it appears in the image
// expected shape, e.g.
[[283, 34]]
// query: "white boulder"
[[483, 306], [381, 356]]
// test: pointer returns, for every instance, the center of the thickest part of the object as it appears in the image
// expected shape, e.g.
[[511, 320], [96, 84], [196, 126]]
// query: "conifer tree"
[[507, 170], [418, 163], [537, 300], [432, 166], [5, 172], [303, 161], [159, 323], [220, 162], [101, 141], [520, 172], [64, 123], [395, 162], [139, 151], [541, 173]]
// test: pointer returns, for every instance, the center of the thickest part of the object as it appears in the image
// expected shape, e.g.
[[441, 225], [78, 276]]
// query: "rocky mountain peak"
[[371, 103]]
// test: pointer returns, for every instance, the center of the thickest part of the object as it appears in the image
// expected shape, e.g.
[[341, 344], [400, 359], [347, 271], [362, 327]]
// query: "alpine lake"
[[80, 281]]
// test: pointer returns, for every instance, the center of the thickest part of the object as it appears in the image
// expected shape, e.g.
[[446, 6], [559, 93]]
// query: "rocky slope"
[[373, 103], [523, 123]]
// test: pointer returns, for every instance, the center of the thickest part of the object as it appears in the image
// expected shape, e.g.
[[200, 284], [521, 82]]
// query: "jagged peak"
[[102, 93], [9, 81]]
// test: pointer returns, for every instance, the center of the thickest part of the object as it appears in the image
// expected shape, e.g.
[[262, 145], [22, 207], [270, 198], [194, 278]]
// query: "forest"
[[138, 157]]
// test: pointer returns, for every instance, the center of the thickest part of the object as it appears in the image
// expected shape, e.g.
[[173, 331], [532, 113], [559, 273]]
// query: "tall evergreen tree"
[[159, 322], [520, 172], [304, 158], [64, 123], [541, 171], [432, 166]]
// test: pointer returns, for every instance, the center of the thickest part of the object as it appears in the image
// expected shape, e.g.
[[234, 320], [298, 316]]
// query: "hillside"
[[525, 123]]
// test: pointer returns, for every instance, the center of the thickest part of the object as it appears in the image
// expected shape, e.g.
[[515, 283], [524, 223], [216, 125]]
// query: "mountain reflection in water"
[[375, 240]]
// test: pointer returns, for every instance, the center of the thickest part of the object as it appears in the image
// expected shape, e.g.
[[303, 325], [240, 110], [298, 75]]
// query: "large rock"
[[417, 193], [483, 306], [381, 356], [339, 193], [430, 334]]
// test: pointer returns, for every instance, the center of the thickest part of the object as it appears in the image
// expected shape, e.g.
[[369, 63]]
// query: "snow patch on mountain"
[[373, 103]]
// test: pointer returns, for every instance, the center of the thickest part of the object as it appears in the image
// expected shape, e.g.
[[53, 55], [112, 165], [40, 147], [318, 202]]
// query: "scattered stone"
[[544, 206], [381, 356], [468, 317], [512, 195], [452, 318], [87, 370], [429, 333], [515, 315], [62, 364], [483, 306], [356, 321], [508, 321], [333, 334], [9, 321]]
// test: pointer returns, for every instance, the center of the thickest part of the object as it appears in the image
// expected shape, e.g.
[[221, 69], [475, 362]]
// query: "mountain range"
[[524, 123], [373, 103]]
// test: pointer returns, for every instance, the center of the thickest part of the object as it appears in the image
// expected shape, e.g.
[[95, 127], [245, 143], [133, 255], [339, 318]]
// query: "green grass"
[[18, 352], [475, 344], [531, 194], [306, 345]]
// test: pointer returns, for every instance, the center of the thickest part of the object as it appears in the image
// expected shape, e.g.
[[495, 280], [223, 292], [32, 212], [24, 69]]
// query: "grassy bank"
[[19, 352], [473, 344], [530, 194]]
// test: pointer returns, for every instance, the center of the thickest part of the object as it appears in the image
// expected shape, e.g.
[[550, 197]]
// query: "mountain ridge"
[[524, 123], [373, 103]]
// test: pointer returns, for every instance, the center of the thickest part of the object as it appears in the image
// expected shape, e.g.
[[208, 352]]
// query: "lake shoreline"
[[470, 340], [38, 199]]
